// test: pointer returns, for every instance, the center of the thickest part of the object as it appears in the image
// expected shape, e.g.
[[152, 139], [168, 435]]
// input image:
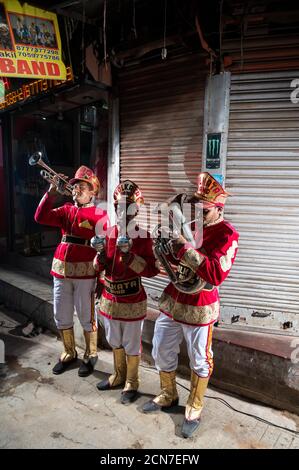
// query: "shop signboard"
[[30, 44]]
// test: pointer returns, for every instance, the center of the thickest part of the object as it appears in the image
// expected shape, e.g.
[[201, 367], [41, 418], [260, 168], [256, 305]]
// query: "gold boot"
[[168, 396], [129, 393], [120, 371], [194, 404], [91, 355], [69, 354]]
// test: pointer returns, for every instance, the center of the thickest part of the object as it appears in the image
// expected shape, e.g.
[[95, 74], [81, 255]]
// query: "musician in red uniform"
[[126, 256], [191, 316], [72, 267]]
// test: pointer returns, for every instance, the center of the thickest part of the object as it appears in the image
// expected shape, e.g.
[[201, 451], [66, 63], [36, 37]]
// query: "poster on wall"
[[30, 44]]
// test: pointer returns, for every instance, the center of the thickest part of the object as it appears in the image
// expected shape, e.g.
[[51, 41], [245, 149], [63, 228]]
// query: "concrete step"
[[32, 295], [28, 293], [39, 264]]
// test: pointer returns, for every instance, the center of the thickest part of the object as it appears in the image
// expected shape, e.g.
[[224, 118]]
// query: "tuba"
[[183, 278], [62, 185]]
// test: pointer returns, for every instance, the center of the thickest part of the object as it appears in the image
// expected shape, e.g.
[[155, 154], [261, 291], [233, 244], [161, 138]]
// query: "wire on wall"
[[164, 50]]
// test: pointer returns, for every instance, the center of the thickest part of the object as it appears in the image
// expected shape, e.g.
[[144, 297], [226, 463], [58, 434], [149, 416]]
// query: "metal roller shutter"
[[263, 174], [161, 132]]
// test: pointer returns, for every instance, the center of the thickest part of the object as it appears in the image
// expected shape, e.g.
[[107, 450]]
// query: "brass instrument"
[[62, 185], [184, 279]]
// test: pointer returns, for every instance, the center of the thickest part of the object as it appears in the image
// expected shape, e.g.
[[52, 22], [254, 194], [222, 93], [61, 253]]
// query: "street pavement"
[[40, 410]]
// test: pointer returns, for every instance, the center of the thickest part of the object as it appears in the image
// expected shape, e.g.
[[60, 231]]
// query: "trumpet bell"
[[182, 277], [62, 185], [35, 158]]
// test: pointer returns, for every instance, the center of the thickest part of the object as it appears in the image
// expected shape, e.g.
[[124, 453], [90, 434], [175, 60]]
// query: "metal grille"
[[263, 175], [161, 132]]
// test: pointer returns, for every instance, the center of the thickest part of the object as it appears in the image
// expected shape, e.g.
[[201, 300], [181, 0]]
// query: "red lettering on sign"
[[23, 67], [53, 69], [6, 66], [38, 68]]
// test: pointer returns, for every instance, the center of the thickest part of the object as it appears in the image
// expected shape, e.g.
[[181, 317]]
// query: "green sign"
[[2, 91], [213, 151]]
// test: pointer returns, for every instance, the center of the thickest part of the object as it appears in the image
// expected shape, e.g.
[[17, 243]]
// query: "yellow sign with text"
[[30, 44]]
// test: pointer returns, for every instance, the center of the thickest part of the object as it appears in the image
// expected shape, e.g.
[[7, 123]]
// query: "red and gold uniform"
[[211, 262], [124, 297], [72, 266], [72, 260], [191, 316], [123, 302]]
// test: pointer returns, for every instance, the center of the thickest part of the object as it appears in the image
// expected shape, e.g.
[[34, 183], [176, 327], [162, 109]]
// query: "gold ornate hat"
[[86, 174], [130, 191], [209, 191]]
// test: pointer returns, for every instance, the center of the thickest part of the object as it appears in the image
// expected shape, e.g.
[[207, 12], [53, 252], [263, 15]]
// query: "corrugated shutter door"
[[263, 175], [161, 131]]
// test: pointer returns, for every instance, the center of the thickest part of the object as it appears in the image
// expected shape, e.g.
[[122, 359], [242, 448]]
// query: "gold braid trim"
[[138, 264], [122, 310], [192, 259], [192, 314], [226, 260], [68, 269]]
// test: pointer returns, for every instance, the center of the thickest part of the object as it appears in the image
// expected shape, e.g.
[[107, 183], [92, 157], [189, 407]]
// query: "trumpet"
[[62, 185]]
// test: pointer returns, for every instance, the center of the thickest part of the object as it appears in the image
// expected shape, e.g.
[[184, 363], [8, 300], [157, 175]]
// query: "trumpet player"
[[191, 316], [126, 255], [72, 266]]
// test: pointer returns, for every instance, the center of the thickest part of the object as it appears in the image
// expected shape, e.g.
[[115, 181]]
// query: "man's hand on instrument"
[[57, 185], [99, 247], [176, 244], [124, 244]]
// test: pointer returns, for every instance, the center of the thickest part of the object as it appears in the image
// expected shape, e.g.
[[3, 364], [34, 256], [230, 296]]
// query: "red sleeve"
[[97, 265], [103, 223], [46, 215], [214, 267], [145, 265]]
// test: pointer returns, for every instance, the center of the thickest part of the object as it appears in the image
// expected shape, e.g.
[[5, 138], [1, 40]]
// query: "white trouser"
[[70, 294], [168, 336], [126, 334]]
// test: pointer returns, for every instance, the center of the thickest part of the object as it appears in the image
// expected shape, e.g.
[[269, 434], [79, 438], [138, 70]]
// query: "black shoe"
[[104, 385], [85, 369], [61, 367], [151, 406], [189, 426], [128, 397]]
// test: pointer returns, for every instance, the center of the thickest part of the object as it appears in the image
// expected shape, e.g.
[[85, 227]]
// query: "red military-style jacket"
[[211, 262], [71, 260], [123, 296]]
